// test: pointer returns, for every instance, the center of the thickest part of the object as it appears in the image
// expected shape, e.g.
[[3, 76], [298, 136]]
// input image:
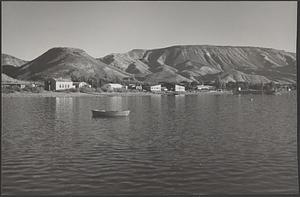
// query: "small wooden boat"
[[104, 113]]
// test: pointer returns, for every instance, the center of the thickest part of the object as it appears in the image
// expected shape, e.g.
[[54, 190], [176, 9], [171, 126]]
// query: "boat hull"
[[103, 113]]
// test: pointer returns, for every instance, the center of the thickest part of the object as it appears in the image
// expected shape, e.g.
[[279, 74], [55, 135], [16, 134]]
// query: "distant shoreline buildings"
[[66, 84]]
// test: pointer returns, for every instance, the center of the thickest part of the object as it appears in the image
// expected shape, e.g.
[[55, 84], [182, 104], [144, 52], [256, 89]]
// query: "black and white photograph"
[[149, 98]]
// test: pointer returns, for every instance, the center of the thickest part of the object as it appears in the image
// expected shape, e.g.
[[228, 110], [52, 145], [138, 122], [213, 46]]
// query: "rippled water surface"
[[168, 145]]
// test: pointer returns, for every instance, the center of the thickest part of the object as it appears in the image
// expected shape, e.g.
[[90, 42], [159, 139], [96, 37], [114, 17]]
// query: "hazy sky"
[[31, 28]]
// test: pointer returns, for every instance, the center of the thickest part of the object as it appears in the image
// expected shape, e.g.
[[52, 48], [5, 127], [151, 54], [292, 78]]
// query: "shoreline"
[[102, 94]]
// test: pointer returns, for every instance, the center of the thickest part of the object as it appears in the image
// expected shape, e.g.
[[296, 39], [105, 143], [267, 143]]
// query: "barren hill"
[[189, 63], [11, 60], [10, 64], [204, 62], [66, 62]]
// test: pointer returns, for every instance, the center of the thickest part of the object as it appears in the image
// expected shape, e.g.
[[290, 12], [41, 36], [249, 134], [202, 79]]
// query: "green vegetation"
[[87, 90], [27, 88], [10, 89], [104, 89], [99, 90], [33, 89]]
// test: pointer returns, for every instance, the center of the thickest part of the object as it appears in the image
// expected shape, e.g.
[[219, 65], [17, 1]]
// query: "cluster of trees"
[[93, 80], [219, 84], [27, 88], [271, 86], [10, 89]]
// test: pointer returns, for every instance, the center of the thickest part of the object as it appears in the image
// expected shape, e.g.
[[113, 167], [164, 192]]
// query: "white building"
[[179, 88], [164, 88], [205, 87], [112, 86], [155, 88], [55, 84], [81, 84], [134, 87]]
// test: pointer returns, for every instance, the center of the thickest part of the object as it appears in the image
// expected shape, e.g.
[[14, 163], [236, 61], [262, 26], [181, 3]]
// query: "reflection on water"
[[115, 103], [63, 106], [168, 144]]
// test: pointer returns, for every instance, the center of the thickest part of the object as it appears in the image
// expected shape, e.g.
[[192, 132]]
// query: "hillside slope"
[[66, 62], [203, 62], [7, 79], [10, 64], [11, 60]]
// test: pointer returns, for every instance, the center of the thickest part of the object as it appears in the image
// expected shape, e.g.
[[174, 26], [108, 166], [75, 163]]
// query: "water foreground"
[[208, 144]]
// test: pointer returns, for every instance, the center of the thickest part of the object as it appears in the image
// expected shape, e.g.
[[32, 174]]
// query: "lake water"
[[204, 144]]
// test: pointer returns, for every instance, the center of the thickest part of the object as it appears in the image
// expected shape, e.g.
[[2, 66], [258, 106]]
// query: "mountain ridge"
[[197, 61], [176, 64]]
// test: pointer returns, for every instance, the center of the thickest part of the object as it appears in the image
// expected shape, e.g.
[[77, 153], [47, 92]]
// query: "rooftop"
[[62, 79]]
